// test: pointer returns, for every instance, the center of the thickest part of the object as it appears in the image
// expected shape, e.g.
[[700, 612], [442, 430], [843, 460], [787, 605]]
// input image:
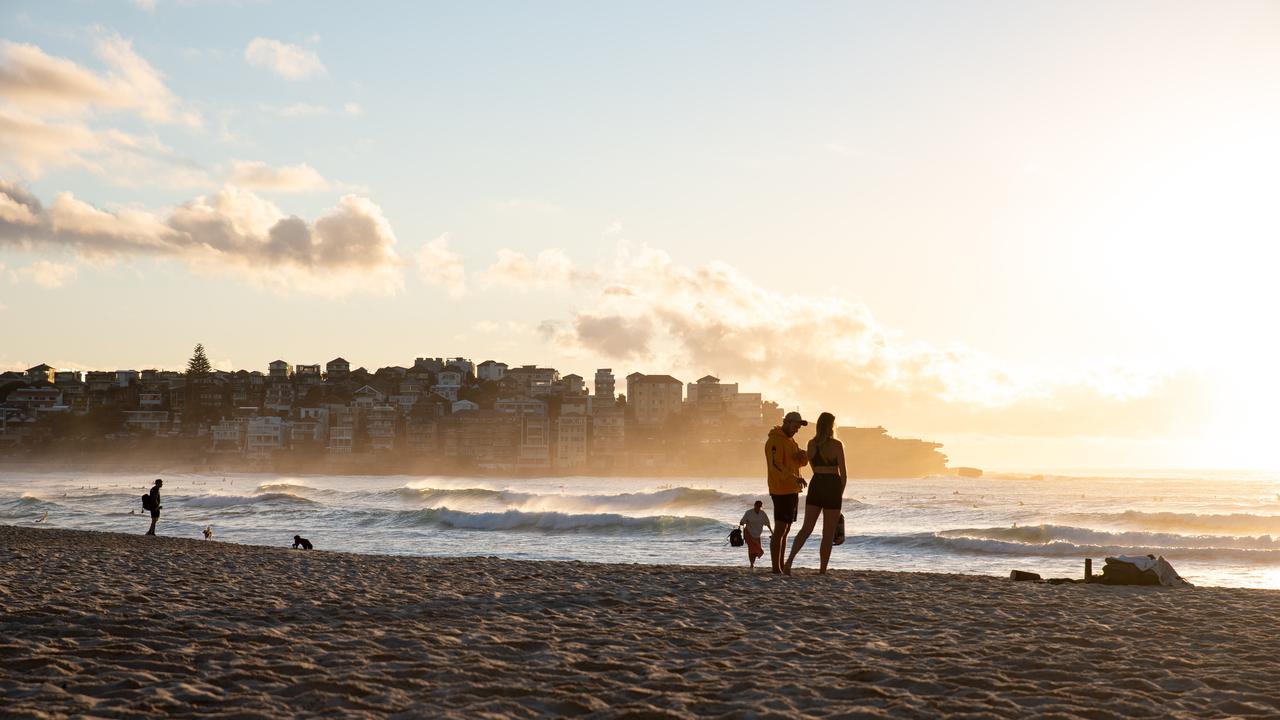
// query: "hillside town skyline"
[[447, 414]]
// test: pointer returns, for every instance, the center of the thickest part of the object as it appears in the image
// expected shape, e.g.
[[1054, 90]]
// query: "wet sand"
[[112, 625]]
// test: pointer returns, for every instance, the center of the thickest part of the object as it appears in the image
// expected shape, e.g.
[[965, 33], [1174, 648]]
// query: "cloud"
[[290, 178], [47, 274], [38, 83], [290, 62], [551, 269], [147, 5], [830, 353], [47, 104], [439, 265], [301, 109], [351, 248]]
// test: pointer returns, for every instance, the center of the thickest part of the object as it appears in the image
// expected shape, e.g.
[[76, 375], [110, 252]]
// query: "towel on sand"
[[1161, 567]]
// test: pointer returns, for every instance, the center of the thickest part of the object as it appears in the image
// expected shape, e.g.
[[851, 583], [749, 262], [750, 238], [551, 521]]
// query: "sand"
[[110, 625]]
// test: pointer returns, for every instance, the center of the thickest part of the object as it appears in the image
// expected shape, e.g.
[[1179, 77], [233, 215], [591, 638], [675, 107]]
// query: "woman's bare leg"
[[810, 519], [830, 516]]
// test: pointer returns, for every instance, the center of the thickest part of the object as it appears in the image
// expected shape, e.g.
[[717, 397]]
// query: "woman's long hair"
[[824, 430]]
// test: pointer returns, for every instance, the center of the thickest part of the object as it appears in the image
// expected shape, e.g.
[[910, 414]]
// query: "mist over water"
[[1216, 530]]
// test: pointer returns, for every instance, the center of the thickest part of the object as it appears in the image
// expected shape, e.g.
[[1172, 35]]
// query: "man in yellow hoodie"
[[784, 459]]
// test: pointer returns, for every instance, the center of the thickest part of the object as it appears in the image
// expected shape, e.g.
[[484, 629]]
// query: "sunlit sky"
[[1041, 233]]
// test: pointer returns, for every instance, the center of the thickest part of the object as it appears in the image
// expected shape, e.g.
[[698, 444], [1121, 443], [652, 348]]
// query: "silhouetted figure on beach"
[[207, 532], [301, 542], [784, 458], [826, 489], [154, 505], [753, 523]]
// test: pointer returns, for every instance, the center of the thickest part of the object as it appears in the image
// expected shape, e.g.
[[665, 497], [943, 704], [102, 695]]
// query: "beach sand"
[[117, 625]]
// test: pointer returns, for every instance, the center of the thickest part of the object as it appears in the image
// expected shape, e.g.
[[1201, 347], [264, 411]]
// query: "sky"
[[1043, 234]]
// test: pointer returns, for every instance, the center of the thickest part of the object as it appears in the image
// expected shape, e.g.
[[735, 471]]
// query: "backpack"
[[146, 502], [735, 537]]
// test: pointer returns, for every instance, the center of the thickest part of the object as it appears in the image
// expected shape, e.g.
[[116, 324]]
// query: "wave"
[[1045, 534], [669, 500], [226, 501], [550, 522], [1209, 524], [935, 542]]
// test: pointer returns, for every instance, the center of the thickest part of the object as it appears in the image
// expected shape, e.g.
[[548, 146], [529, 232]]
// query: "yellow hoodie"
[[780, 456]]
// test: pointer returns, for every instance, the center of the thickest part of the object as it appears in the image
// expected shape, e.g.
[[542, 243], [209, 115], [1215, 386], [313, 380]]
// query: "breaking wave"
[[671, 500], [226, 501], [552, 522], [1209, 524], [1262, 550]]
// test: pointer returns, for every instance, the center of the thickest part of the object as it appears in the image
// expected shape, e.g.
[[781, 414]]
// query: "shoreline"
[[126, 626]]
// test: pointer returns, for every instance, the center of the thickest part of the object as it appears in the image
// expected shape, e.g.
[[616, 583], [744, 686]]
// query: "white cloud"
[[830, 353], [38, 83], [147, 5], [353, 108], [351, 248], [290, 62], [438, 265], [47, 104], [551, 269], [299, 109], [47, 274], [290, 178]]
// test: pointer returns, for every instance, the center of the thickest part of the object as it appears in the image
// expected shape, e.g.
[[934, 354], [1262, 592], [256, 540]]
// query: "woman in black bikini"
[[826, 489]]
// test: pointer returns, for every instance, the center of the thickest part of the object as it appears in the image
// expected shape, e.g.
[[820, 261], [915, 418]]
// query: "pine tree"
[[198, 365]]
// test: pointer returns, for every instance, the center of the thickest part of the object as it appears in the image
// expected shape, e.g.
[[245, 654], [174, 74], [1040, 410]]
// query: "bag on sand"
[[146, 502], [839, 537], [735, 537]]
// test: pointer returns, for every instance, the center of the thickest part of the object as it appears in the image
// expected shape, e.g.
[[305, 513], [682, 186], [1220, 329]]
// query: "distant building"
[[264, 435], [573, 385], [604, 385], [380, 427], [608, 438], [448, 383], [520, 406], [40, 374], [483, 438], [533, 380], [337, 370], [534, 452], [571, 438], [307, 374], [652, 398], [278, 370], [464, 405], [491, 370]]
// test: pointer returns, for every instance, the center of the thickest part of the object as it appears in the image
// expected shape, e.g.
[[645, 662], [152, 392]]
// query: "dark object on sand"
[[735, 537], [301, 542], [1024, 576], [1123, 573]]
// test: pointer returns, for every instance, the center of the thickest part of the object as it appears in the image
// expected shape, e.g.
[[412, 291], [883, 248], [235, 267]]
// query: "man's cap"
[[794, 416]]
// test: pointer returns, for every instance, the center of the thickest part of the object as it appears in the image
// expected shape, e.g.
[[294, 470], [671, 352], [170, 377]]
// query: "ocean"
[[1216, 529]]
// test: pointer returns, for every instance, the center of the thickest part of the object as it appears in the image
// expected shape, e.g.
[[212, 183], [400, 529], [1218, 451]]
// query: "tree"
[[198, 366]]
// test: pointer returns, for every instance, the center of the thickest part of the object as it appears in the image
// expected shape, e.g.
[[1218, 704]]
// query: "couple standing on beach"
[[825, 454]]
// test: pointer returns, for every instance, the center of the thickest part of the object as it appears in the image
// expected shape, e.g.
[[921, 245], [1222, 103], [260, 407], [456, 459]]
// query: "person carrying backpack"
[[151, 501], [754, 522]]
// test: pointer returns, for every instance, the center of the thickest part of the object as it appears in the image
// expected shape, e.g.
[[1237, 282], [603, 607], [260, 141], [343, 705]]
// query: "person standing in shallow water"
[[155, 505], [826, 490], [753, 523], [784, 458]]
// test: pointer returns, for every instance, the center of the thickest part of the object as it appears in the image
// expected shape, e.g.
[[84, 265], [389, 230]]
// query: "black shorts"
[[786, 508]]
